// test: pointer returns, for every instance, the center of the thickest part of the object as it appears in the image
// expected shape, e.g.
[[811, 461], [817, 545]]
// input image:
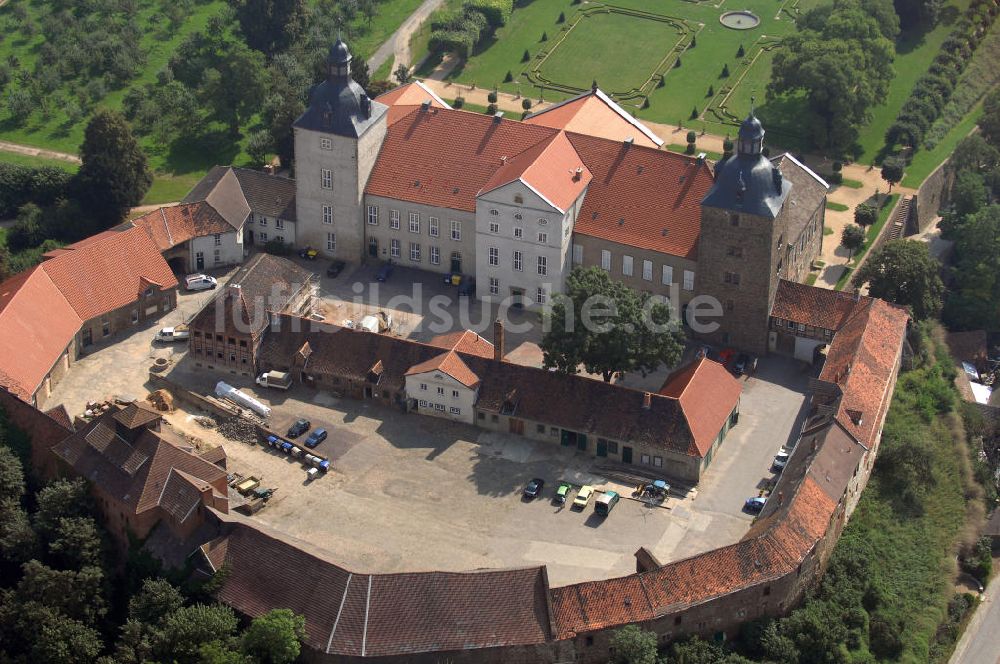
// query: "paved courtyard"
[[409, 492]]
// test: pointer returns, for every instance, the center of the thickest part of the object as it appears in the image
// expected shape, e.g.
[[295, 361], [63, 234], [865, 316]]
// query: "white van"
[[197, 282]]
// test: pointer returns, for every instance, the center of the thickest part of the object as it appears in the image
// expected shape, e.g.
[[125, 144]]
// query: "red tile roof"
[[450, 364], [170, 226], [549, 168], [377, 615], [818, 307], [444, 157], [99, 276], [411, 94], [464, 341], [642, 197], [595, 114], [862, 360], [36, 325], [708, 393]]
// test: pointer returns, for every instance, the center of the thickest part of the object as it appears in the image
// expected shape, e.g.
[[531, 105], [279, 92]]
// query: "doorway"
[[517, 297], [373, 247], [626, 454], [199, 261], [581, 442], [456, 263], [516, 426], [602, 447]]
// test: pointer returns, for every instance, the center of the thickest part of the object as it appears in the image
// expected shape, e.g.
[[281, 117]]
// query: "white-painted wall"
[[425, 388], [229, 247], [383, 234], [272, 227], [511, 201]]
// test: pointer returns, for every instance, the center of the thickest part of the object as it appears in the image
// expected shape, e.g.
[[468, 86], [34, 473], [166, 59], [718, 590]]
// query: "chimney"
[[701, 157], [629, 141], [426, 105], [497, 117], [857, 294], [234, 290], [366, 105], [647, 400], [498, 340], [578, 173], [781, 497]]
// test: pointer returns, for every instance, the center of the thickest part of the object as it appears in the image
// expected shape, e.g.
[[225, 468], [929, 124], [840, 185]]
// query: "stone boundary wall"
[[931, 197]]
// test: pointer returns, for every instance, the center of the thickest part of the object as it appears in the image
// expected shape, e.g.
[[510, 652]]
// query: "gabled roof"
[[572, 402], [861, 360], [102, 275], [173, 225], [818, 307], [221, 189], [414, 93], [642, 197], [137, 473], [37, 324], [263, 285], [136, 414], [450, 364], [552, 169], [444, 157], [266, 194], [464, 341], [353, 614], [708, 393], [595, 114]]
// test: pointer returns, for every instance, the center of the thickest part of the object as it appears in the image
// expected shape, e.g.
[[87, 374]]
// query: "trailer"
[[227, 391], [247, 485]]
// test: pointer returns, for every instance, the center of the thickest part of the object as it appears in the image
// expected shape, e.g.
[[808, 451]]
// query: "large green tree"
[[841, 58], [632, 645], [271, 26], [275, 637], [989, 121], [904, 272], [114, 174], [608, 328], [975, 299], [852, 238]]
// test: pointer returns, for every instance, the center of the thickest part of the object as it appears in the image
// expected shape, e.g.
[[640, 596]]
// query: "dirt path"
[[397, 46], [36, 152]]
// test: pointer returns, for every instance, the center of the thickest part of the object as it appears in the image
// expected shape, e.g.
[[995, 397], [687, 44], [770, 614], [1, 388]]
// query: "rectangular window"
[[423, 403], [372, 215], [263, 237], [394, 219], [435, 255], [518, 261], [647, 270], [218, 256], [454, 394], [331, 242], [627, 266], [577, 254], [262, 221], [494, 212], [218, 239], [414, 222], [105, 327], [433, 225], [543, 265], [456, 411], [554, 432], [439, 406], [540, 295], [494, 227], [494, 286], [494, 256], [543, 237], [423, 387], [605, 260], [540, 428], [518, 232], [658, 461], [279, 224], [668, 275], [373, 246], [394, 248], [688, 280], [612, 447], [415, 252], [135, 316], [326, 178], [325, 144], [644, 459], [456, 230], [441, 391], [327, 214]]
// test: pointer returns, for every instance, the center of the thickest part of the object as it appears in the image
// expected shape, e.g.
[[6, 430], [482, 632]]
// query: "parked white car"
[[197, 282], [781, 460], [171, 334]]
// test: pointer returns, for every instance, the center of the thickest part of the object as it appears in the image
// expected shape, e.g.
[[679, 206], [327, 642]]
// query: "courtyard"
[[408, 492]]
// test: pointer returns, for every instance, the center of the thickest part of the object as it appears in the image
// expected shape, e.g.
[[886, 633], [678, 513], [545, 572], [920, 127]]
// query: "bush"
[[740, 52], [545, 37], [22, 184], [526, 104], [492, 97], [278, 248], [694, 113], [526, 57], [491, 109], [562, 18], [711, 91], [509, 77], [677, 62], [459, 102], [725, 71], [497, 12]]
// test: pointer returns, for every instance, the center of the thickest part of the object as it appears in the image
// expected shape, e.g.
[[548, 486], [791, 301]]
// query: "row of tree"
[[66, 598], [933, 89], [458, 31]]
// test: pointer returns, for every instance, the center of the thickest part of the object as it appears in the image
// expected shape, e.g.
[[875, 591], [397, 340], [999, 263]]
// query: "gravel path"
[[36, 152], [397, 46]]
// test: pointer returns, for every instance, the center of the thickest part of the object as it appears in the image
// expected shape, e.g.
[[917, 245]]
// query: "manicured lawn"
[[914, 53], [582, 55], [624, 56], [852, 184], [888, 206], [365, 37], [27, 160], [925, 161], [837, 207], [677, 147], [170, 188]]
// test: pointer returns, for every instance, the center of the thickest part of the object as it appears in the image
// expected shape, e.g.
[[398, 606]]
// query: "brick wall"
[[145, 308]]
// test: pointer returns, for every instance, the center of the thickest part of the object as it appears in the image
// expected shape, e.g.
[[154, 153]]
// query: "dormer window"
[[519, 199]]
